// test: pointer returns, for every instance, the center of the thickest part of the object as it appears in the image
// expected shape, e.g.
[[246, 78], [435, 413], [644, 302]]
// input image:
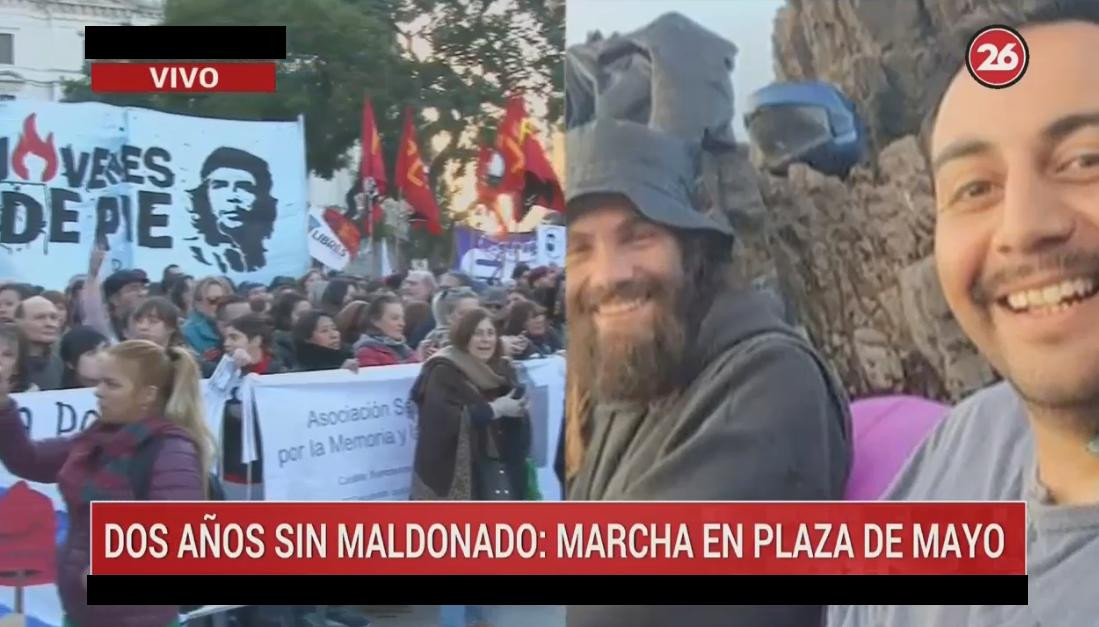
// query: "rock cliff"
[[853, 256]]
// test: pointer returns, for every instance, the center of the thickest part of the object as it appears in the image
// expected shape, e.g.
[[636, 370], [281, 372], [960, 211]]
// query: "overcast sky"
[[747, 23]]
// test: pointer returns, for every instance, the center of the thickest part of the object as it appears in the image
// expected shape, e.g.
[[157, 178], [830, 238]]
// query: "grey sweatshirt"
[[984, 451], [763, 419]]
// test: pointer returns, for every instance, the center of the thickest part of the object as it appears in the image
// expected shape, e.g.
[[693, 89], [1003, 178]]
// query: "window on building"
[[7, 49]]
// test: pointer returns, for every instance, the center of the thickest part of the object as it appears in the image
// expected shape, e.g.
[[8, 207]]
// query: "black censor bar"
[[558, 589], [184, 43]]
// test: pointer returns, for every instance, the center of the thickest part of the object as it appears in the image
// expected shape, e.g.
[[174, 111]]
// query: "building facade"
[[42, 41]]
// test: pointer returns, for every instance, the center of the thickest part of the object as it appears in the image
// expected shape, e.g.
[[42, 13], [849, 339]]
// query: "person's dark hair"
[[282, 310], [305, 277], [76, 311], [307, 324], [177, 293], [167, 277], [519, 270], [77, 341], [953, 45], [258, 304], [162, 309], [537, 274], [334, 293], [231, 299], [462, 333], [518, 316], [352, 320], [11, 333], [253, 325], [377, 308], [258, 223], [395, 281], [25, 290], [416, 314]]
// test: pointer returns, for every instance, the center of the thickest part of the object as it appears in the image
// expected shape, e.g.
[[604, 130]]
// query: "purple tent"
[[887, 431]]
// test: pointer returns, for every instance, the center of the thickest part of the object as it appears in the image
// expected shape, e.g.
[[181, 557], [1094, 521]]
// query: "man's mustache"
[[1083, 262], [590, 299]]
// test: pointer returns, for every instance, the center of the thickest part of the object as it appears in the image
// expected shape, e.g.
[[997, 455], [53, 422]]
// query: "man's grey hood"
[[640, 110], [734, 316]]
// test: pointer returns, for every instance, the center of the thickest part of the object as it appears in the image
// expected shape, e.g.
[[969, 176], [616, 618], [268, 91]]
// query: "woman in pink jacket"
[[150, 433]]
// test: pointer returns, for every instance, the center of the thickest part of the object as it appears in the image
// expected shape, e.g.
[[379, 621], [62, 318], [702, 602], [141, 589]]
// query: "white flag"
[[324, 245]]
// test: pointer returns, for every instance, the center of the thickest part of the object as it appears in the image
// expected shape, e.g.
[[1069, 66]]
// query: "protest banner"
[[363, 422], [212, 196], [63, 413], [47, 415], [340, 436], [492, 256], [551, 245]]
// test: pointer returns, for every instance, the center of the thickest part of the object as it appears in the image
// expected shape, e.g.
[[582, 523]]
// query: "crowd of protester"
[[316, 322], [145, 344]]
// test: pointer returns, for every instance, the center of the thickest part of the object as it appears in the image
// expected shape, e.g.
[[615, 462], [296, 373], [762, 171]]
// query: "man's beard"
[[638, 365]]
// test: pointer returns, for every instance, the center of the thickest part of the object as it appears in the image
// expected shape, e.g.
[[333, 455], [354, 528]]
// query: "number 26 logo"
[[998, 59], [997, 56]]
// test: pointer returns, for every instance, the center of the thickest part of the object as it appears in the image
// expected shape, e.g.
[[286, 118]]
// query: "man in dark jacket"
[[37, 317], [683, 384]]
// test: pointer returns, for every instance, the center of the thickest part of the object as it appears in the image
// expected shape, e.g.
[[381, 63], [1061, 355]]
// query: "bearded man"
[[683, 384]]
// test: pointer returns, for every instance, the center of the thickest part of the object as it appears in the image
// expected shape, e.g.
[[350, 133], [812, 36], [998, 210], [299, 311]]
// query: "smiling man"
[[682, 385], [1016, 174]]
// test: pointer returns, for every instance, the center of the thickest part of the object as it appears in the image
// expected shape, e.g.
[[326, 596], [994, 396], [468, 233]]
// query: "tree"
[[481, 51], [335, 53], [341, 51]]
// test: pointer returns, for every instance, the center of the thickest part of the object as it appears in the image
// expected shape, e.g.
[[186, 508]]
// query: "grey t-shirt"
[[985, 451]]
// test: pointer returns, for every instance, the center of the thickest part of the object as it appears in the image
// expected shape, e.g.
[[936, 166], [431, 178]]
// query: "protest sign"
[[47, 415], [551, 245], [324, 245], [484, 256], [362, 425], [212, 196], [339, 436], [62, 413]]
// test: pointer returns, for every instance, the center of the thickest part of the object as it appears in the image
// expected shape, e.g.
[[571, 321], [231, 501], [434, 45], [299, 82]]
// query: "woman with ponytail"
[[149, 443]]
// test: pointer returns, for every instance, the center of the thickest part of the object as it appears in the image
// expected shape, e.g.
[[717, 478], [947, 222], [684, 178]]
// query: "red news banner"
[[590, 538], [183, 77]]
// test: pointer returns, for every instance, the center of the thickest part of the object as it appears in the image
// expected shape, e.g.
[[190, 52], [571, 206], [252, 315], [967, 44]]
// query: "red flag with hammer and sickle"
[[411, 179], [372, 169], [528, 173]]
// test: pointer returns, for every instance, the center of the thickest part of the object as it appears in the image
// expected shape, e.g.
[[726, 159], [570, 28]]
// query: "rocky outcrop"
[[853, 257], [879, 52]]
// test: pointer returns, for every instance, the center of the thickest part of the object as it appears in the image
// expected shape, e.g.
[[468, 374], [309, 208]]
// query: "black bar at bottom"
[[557, 589]]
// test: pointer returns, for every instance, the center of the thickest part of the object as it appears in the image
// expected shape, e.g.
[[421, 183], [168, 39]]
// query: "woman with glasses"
[[474, 429], [200, 331]]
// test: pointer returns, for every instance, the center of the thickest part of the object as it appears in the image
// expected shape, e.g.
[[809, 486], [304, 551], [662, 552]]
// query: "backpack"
[[141, 473]]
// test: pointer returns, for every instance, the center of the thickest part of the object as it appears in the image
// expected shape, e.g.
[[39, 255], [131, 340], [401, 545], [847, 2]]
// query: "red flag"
[[411, 179], [344, 229], [528, 173], [372, 168]]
